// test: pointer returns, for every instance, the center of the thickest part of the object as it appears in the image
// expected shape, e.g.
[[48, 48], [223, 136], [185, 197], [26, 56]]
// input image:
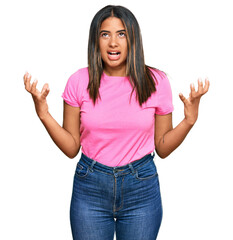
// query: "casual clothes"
[[130, 194], [117, 131]]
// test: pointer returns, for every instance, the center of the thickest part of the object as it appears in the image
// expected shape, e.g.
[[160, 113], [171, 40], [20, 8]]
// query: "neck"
[[117, 72]]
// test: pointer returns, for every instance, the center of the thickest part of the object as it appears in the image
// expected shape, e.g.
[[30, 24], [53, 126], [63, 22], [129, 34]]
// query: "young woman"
[[119, 110]]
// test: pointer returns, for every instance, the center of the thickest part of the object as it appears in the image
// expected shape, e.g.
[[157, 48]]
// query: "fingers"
[[201, 89], [207, 85], [200, 85], [33, 87], [182, 98], [45, 91], [192, 88], [28, 86], [27, 79]]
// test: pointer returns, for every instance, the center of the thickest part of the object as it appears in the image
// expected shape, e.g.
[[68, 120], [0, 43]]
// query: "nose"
[[113, 42]]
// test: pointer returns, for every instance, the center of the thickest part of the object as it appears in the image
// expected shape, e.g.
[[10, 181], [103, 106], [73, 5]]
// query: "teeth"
[[112, 53]]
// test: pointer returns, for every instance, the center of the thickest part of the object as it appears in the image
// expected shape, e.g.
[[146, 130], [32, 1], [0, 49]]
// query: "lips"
[[114, 55]]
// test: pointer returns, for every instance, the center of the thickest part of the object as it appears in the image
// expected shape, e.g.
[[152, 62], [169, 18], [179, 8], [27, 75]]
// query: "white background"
[[187, 40]]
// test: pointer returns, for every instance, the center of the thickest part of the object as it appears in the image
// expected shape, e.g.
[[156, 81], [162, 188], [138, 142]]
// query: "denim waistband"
[[125, 169]]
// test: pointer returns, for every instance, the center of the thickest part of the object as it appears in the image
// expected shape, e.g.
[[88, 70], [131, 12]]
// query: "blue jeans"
[[125, 199]]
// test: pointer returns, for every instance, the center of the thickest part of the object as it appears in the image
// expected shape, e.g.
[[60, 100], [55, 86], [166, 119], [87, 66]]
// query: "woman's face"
[[113, 46]]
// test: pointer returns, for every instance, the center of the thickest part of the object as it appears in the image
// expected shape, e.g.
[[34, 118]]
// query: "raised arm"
[[67, 138], [168, 139]]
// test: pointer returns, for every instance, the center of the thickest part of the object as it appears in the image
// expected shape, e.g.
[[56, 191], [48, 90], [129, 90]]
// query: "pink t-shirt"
[[115, 132]]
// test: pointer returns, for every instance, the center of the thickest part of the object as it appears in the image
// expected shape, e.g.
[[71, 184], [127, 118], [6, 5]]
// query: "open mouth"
[[114, 53]]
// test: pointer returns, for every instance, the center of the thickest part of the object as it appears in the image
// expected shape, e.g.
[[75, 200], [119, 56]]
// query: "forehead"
[[112, 24]]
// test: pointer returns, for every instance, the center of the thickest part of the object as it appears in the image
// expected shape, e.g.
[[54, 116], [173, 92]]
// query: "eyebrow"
[[123, 30]]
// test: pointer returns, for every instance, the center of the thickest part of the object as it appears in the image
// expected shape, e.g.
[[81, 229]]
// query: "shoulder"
[[81, 73], [158, 75], [162, 82], [80, 78]]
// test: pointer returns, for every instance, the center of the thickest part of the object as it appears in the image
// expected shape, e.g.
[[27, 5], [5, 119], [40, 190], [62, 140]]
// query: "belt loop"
[[153, 154], [92, 164], [132, 169]]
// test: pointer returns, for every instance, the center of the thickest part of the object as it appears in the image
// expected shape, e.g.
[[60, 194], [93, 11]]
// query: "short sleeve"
[[164, 95], [72, 94]]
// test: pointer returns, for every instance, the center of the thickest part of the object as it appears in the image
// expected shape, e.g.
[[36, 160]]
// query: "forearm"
[[173, 138], [62, 138]]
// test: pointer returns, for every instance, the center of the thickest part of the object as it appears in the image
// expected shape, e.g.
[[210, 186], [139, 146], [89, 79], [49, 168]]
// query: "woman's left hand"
[[191, 104]]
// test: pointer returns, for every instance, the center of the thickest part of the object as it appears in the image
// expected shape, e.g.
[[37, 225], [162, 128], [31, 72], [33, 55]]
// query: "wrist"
[[189, 122], [43, 116]]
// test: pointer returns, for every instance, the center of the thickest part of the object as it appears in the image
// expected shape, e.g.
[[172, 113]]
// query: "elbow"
[[73, 154], [162, 150], [162, 154]]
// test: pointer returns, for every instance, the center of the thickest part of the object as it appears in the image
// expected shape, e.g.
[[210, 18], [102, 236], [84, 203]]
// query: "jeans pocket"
[[82, 170], [146, 171]]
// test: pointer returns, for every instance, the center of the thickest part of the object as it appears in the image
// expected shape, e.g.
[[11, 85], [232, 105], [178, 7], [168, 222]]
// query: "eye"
[[121, 34], [104, 35]]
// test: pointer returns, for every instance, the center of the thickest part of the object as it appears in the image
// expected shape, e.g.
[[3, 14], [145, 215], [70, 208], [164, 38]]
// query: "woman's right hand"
[[39, 98]]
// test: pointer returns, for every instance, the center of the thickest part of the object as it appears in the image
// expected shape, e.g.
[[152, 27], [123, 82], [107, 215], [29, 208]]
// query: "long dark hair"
[[141, 77]]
